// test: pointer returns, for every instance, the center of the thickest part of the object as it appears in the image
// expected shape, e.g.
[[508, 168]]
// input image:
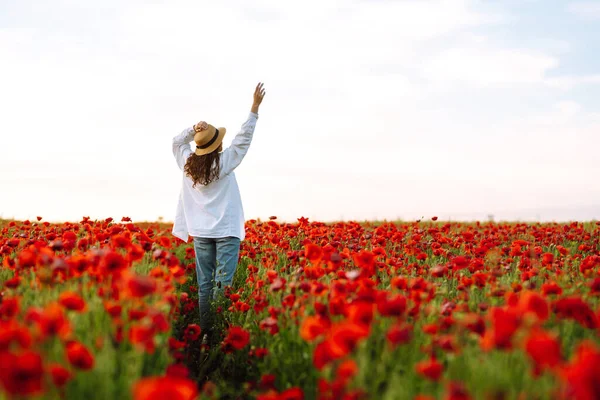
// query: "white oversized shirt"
[[214, 210]]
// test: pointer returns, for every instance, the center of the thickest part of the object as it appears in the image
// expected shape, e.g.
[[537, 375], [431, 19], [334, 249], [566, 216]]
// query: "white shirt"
[[214, 210]]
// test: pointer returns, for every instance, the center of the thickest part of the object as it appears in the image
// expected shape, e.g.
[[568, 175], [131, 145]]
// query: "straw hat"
[[209, 139]]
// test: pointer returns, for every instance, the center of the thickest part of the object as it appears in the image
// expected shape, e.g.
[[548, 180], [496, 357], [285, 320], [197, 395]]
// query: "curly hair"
[[203, 169]]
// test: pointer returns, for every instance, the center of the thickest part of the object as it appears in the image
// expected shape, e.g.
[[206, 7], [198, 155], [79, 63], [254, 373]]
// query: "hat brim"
[[214, 146]]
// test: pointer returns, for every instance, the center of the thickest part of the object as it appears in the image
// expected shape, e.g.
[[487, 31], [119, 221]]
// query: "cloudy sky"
[[374, 109]]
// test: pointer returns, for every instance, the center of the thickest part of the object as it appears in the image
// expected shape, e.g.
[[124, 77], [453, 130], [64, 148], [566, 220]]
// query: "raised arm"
[[234, 154], [181, 146], [181, 143]]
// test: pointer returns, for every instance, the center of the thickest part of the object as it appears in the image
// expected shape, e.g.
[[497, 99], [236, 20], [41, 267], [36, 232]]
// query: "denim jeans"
[[216, 261]]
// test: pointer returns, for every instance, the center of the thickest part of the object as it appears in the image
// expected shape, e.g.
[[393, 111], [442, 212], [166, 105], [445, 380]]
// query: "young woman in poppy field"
[[210, 206]]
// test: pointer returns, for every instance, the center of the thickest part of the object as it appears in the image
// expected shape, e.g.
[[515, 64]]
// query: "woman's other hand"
[[200, 126]]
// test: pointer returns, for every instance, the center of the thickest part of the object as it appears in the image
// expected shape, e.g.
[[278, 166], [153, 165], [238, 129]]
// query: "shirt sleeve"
[[234, 154], [181, 146]]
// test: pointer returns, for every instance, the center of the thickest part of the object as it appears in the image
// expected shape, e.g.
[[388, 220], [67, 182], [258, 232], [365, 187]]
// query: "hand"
[[200, 126], [259, 94]]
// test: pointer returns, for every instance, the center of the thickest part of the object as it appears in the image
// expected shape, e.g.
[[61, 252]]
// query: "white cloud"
[[569, 82], [561, 113], [488, 67], [483, 65], [585, 9]]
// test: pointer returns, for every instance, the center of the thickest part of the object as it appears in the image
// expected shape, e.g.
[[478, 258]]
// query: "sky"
[[375, 109]]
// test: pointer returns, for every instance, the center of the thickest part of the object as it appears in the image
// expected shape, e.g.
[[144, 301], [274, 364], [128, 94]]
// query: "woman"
[[210, 207]]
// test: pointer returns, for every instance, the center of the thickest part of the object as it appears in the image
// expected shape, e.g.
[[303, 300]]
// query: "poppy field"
[[107, 309]]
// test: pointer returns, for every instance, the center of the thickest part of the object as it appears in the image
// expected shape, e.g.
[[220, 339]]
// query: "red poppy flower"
[[141, 285], [294, 393], [345, 335], [237, 338], [551, 288], [312, 327], [399, 334], [13, 282], [9, 307], [399, 282], [430, 329], [165, 387], [26, 258], [532, 302], [392, 306], [59, 374], [577, 309], [72, 301], [505, 323], [164, 242], [544, 350], [547, 259], [52, 321], [582, 375], [113, 309], [13, 332], [143, 336], [112, 263], [21, 374], [430, 369], [457, 391], [365, 260], [269, 324], [69, 236], [261, 352], [192, 333], [360, 312], [79, 356], [595, 286], [474, 323], [347, 369], [267, 381], [324, 354], [588, 262], [178, 371], [121, 241], [313, 253], [460, 262]]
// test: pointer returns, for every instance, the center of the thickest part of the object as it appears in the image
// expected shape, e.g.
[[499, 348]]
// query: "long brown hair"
[[203, 169]]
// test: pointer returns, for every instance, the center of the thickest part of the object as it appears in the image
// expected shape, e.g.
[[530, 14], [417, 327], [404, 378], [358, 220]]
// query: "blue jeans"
[[216, 261]]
